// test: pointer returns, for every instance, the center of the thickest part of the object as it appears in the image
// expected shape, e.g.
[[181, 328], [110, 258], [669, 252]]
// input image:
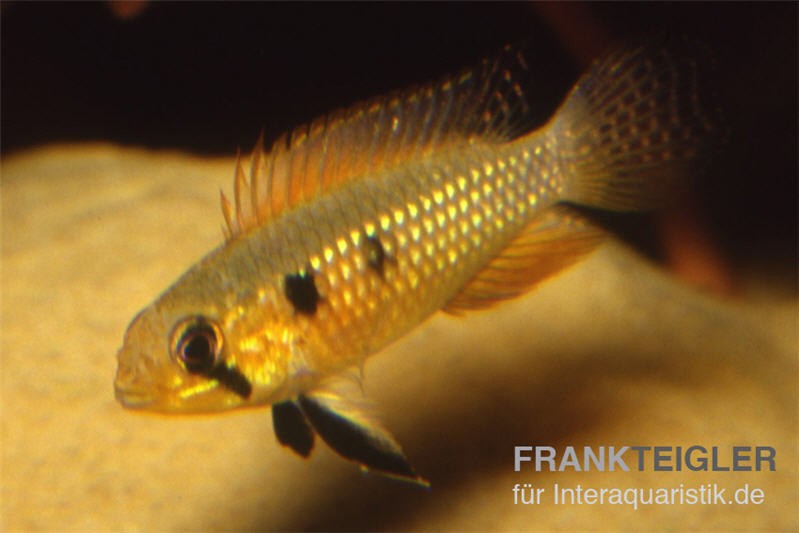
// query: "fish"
[[353, 229]]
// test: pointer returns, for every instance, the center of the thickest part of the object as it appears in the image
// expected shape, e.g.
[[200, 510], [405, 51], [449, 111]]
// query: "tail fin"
[[635, 125]]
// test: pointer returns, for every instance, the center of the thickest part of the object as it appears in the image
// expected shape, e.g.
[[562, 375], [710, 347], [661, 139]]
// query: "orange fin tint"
[[551, 242], [484, 103]]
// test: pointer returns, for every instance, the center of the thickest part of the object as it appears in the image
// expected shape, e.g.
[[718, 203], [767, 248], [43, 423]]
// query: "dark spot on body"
[[302, 293], [375, 254]]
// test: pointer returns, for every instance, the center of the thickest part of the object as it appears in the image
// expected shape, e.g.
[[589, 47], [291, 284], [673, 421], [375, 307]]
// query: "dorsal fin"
[[484, 103], [552, 241]]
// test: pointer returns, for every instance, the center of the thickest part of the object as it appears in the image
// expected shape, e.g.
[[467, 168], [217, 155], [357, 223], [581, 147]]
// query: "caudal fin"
[[636, 124]]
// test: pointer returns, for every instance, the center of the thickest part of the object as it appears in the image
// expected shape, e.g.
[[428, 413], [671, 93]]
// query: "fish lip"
[[133, 398]]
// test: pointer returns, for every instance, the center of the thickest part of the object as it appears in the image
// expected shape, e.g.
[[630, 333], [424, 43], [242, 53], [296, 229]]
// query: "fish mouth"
[[132, 398]]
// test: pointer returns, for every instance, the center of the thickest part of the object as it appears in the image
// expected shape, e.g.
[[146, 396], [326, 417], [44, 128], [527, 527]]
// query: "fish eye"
[[197, 344]]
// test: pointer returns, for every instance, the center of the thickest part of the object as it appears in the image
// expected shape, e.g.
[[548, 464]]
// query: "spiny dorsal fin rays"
[[486, 103], [244, 213], [227, 212], [235, 218], [241, 192], [255, 172]]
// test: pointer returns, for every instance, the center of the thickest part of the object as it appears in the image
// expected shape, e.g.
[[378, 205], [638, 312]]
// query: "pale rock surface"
[[612, 352]]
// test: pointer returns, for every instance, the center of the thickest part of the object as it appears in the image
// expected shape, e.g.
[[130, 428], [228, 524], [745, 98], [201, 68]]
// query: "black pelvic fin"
[[370, 446], [291, 428]]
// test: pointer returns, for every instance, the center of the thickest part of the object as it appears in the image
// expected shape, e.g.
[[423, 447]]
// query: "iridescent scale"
[[437, 224], [353, 229]]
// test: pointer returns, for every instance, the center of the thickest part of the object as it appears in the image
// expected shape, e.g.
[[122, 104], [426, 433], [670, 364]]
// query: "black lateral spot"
[[301, 292], [375, 254], [232, 379]]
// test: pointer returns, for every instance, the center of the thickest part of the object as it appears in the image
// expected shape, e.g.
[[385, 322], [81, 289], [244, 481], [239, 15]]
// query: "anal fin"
[[552, 241]]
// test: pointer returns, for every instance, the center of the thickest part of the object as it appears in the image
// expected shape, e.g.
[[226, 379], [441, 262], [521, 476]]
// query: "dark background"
[[208, 77]]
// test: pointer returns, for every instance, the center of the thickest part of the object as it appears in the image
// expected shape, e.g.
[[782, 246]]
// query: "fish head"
[[188, 359]]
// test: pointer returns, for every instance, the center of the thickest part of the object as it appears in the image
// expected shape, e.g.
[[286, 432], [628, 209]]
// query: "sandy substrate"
[[613, 352]]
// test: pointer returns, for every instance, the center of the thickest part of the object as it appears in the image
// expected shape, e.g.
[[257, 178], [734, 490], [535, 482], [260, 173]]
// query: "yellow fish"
[[355, 228]]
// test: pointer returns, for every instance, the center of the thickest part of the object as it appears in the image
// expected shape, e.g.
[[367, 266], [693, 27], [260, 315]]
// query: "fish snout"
[[129, 389]]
